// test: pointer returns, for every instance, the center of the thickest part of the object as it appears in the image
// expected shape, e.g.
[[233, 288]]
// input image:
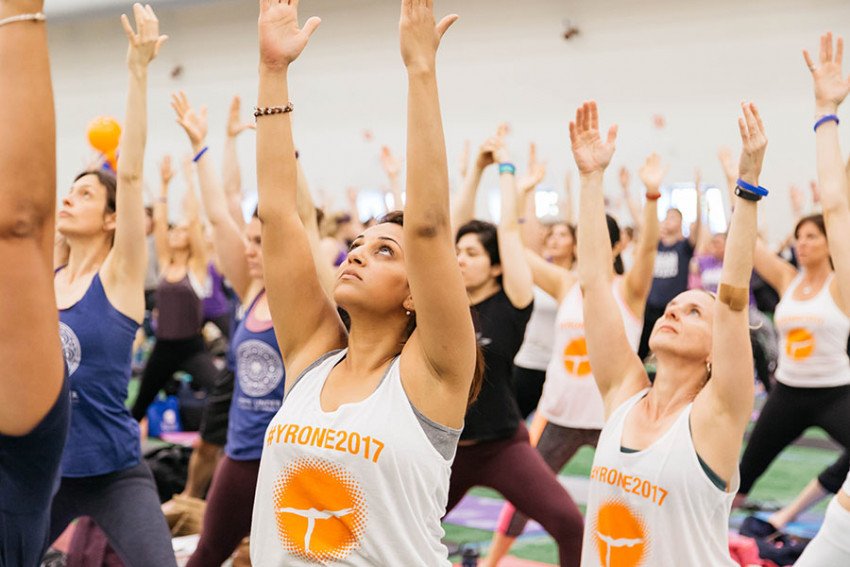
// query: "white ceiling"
[[76, 8]]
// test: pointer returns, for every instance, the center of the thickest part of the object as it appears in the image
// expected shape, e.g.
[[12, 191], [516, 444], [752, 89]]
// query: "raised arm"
[[392, 168], [695, 235], [532, 231], [228, 238], [198, 254], [444, 333], [566, 204], [31, 377], [831, 89], [305, 321], [723, 408], [123, 272], [631, 202], [516, 275], [617, 369], [772, 268], [307, 214], [160, 214], [230, 173], [638, 280], [463, 208]]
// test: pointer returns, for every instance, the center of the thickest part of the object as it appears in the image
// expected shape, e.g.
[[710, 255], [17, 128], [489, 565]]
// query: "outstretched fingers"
[[446, 23], [612, 135], [128, 28], [311, 25]]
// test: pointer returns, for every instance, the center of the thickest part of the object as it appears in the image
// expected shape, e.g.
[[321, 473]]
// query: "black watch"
[[748, 195]]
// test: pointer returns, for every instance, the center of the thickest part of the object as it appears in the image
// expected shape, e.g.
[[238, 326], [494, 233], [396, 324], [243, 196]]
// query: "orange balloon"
[[104, 133], [112, 159]]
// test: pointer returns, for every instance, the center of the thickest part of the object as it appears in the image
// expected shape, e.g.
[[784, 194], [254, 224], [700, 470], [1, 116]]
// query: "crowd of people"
[[367, 373]]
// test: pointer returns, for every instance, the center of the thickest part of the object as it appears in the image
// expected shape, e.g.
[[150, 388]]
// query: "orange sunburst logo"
[[575, 358], [320, 510], [620, 535], [799, 344]]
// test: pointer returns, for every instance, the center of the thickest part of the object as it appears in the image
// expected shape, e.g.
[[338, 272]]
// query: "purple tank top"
[[216, 304], [180, 310]]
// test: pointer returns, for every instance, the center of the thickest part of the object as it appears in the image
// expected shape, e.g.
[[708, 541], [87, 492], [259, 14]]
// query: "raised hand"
[[166, 170], [500, 151], [754, 144], [591, 153], [730, 169], [830, 86], [463, 161], [796, 195], [625, 179], [535, 174], [194, 123], [420, 37], [652, 173], [235, 126], [144, 45], [390, 163], [281, 40], [815, 191]]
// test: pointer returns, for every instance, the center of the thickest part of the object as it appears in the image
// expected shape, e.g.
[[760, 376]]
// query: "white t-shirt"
[[359, 486], [656, 507], [570, 396]]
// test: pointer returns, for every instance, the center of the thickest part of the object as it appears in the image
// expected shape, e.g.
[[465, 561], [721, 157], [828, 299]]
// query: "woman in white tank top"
[[651, 499], [569, 414], [355, 466], [813, 374], [831, 546]]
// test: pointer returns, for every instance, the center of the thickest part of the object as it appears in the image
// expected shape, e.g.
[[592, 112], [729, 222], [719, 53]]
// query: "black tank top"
[[500, 328], [181, 312]]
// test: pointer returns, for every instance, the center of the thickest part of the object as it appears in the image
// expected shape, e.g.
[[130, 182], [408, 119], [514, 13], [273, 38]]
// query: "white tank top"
[[536, 349], [570, 396], [656, 506], [359, 486], [813, 340]]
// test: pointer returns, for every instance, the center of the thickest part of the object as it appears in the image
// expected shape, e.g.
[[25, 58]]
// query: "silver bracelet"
[[37, 17]]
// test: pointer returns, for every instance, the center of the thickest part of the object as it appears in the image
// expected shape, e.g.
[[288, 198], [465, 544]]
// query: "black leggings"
[[529, 388], [167, 357], [514, 468], [788, 412], [832, 478]]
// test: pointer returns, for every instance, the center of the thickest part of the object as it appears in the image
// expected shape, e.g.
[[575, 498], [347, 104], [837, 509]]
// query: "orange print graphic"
[[575, 358], [799, 344], [320, 510], [620, 535]]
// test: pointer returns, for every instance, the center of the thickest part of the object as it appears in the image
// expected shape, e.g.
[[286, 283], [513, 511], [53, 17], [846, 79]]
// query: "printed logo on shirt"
[[258, 367], [666, 265], [576, 362], [71, 349], [620, 535], [320, 510], [799, 344]]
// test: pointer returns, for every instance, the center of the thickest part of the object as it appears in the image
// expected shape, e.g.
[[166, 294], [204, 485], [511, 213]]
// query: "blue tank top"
[[97, 341], [257, 388]]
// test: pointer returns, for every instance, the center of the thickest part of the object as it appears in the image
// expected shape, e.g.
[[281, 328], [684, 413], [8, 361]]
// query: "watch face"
[[746, 194]]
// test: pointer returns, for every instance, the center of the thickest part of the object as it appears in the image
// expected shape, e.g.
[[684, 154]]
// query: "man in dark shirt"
[[671, 270]]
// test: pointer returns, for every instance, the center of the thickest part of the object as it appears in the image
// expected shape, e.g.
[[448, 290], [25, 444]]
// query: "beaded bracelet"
[[269, 110], [36, 17]]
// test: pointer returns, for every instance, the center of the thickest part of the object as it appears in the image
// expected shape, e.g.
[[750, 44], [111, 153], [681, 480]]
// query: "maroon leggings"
[[515, 469], [227, 519]]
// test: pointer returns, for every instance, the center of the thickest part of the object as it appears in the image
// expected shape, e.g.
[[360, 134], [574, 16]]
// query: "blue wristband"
[[760, 191], [507, 168], [827, 118], [200, 154]]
